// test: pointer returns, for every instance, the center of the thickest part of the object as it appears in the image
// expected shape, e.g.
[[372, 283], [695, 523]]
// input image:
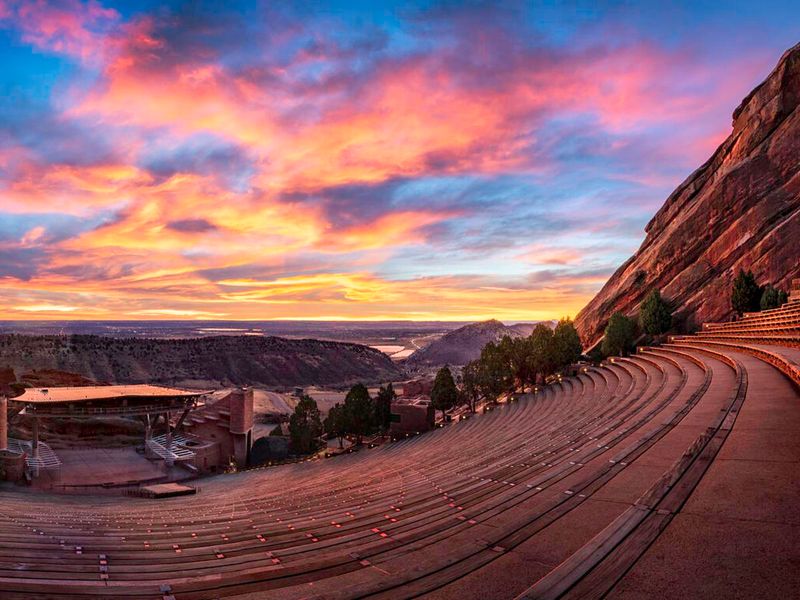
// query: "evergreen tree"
[[772, 298], [496, 376], [543, 351], [359, 412], [472, 385], [746, 294], [335, 424], [305, 426], [568, 347], [444, 394], [655, 316], [619, 335], [383, 407], [515, 354]]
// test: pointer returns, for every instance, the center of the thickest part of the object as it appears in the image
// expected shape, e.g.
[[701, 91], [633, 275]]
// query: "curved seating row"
[[584, 476]]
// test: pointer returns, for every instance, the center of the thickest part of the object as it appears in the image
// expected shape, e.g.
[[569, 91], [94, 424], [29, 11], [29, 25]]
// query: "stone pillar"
[[3, 423], [35, 436], [168, 442], [35, 444]]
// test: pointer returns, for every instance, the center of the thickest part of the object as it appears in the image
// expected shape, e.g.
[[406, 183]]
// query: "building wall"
[[411, 418], [228, 423]]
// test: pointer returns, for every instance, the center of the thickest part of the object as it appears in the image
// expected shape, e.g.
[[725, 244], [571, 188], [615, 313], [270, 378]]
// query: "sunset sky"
[[352, 160]]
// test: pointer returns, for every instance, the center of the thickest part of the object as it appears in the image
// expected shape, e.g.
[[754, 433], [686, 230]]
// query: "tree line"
[[514, 363], [358, 416], [655, 313], [748, 296]]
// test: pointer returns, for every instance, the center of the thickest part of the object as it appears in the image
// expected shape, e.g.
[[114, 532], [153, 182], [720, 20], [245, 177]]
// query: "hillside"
[[741, 209], [464, 344], [224, 360]]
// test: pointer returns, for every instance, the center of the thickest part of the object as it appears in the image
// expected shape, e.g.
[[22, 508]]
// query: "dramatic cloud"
[[268, 160]]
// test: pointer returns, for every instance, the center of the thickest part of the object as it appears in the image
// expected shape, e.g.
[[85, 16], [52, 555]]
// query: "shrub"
[[772, 298], [444, 394], [619, 335], [655, 315], [746, 293]]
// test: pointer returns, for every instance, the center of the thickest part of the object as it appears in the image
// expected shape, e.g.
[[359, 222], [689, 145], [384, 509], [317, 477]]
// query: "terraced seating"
[[563, 493]]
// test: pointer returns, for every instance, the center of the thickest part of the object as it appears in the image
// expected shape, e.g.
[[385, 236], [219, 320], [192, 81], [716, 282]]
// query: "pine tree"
[[746, 294], [359, 412], [619, 335], [305, 426], [444, 394], [655, 316], [567, 342]]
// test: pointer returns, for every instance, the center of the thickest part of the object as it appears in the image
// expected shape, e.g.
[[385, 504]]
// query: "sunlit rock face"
[[741, 209]]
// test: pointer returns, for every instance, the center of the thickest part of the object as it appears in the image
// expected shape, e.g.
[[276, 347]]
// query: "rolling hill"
[[225, 360], [464, 344]]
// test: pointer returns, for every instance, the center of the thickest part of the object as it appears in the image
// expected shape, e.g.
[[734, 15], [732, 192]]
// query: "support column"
[[3, 423], [35, 436], [168, 443], [35, 444]]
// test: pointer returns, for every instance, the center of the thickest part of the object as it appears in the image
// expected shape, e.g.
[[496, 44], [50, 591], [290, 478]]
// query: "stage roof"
[[101, 392]]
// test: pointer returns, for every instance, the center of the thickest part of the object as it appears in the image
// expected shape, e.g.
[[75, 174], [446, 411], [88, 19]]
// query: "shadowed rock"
[[741, 209]]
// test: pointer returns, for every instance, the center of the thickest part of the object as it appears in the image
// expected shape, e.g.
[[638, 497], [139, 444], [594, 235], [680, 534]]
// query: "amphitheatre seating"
[[577, 490]]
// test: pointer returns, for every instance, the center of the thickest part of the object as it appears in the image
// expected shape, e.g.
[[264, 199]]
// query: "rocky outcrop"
[[464, 344], [741, 209], [212, 361]]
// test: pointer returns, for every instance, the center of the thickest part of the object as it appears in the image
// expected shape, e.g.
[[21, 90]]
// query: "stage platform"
[[106, 466], [167, 490]]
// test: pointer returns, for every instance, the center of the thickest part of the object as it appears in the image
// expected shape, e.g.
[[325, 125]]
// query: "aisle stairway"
[[590, 487]]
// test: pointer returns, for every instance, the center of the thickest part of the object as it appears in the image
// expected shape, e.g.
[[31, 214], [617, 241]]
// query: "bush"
[[655, 315], [305, 426], [772, 298], [444, 394], [619, 335], [746, 293], [567, 342]]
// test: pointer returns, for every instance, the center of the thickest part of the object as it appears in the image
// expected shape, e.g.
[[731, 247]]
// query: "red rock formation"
[[741, 209]]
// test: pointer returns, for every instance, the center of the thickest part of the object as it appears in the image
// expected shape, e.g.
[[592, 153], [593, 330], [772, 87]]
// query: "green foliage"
[[772, 298], [359, 413], [567, 342], [335, 423], [542, 352], [515, 363], [472, 383], [496, 374], [595, 354], [655, 315], [305, 426], [444, 394], [746, 293], [383, 406], [619, 335]]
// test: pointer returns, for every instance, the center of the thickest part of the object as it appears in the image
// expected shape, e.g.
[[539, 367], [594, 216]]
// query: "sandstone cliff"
[[741, 209]]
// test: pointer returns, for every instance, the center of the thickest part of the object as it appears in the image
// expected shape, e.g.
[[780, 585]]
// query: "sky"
[[352, 160]]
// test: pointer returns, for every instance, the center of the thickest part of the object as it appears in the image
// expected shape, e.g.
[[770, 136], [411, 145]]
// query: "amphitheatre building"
[[669, 473], [186, 433]]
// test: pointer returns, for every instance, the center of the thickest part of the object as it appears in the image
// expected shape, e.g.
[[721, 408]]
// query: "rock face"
[[741, 209], [225, 360], [464, 344]]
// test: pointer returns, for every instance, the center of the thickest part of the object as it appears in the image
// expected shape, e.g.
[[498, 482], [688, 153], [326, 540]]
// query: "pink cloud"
[[78, 29]]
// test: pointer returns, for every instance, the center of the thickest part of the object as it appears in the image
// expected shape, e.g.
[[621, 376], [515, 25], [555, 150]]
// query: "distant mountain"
[[740, 210], [211, 361], [464, 344]]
